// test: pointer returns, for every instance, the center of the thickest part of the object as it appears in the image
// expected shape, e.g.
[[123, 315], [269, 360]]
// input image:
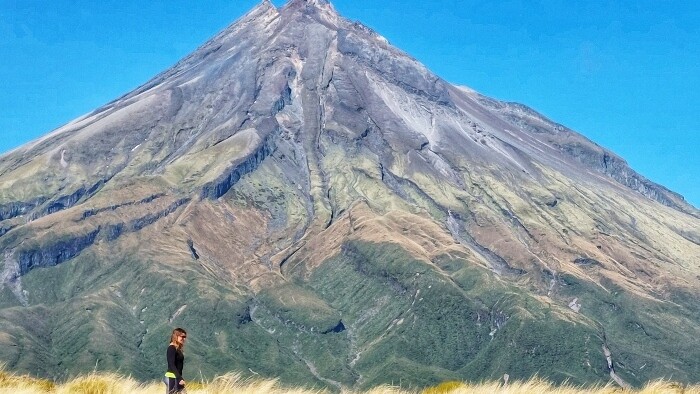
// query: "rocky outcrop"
[[340, 327], [68, 246], [54, 253], [67, 201], [48, 206], [393, 65], [92, 212], [611, 368], [618, 169], [587, 262], [190, 245], [245, 166], [4, 229], [18, 208], [114, 231]]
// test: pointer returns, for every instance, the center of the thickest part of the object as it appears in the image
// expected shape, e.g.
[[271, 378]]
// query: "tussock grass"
[[536, 386], [109, 383], [12, 383]]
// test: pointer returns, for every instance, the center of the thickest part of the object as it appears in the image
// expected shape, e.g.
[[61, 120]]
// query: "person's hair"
[[173, 337]]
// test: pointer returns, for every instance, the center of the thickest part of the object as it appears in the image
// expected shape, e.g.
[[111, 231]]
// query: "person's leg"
[[171, 386]]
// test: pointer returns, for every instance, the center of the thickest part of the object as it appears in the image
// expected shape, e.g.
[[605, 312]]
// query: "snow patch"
[[177, 313], [574, 305], [64, 163]]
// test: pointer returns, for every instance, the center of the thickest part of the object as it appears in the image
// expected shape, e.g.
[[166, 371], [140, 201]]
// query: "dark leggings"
[[172, 386]]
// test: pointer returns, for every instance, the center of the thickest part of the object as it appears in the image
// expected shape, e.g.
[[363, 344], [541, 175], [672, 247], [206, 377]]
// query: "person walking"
[[176, 360]]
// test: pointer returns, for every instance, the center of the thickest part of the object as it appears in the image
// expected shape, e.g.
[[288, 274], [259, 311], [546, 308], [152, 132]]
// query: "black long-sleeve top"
[[176, 360]]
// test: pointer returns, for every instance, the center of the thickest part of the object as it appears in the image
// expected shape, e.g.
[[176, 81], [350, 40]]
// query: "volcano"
[[311, 203]]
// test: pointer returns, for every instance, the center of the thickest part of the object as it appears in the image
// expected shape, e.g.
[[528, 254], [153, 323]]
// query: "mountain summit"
[[313, 204]]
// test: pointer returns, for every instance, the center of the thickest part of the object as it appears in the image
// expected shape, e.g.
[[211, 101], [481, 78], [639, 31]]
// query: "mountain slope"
[[311, 203]]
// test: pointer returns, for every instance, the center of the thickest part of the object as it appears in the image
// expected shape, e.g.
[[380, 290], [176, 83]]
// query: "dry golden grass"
[[540, 386], [106, 383]]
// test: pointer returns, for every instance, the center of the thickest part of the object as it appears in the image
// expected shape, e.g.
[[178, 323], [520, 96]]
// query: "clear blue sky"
[[625, 73]]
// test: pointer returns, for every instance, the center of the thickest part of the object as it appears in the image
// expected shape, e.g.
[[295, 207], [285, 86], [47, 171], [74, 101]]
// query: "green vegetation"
[[648, 338], [370, 315]]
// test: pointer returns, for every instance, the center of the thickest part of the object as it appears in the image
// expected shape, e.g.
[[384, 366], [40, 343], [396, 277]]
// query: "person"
[[176, 360]]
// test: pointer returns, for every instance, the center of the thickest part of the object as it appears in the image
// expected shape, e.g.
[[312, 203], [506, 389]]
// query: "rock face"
[[313, 204]]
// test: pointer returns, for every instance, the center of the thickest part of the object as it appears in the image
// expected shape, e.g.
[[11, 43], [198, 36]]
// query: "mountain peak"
[[316, 3], [319, 10], [321, 5], [263, 7]]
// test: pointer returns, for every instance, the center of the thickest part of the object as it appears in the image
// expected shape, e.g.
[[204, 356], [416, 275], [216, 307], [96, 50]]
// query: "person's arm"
[[171, 363]]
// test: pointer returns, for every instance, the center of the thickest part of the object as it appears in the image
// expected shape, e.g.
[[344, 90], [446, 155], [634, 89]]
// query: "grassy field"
[[234, 383]]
